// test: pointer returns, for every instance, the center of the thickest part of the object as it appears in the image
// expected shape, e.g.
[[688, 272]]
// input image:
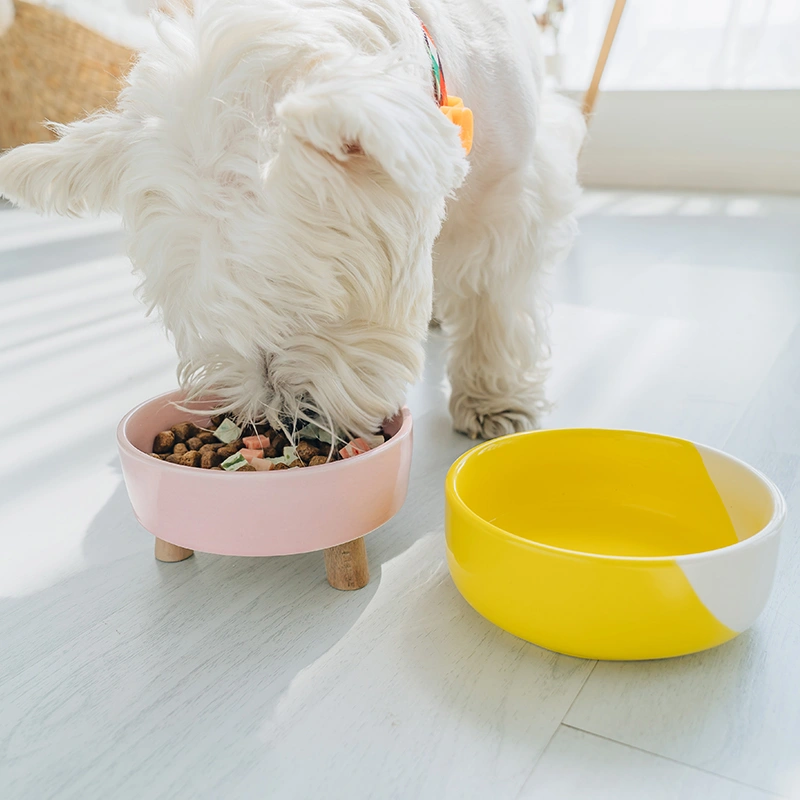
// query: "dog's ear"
[[385, 114], [79, 173]]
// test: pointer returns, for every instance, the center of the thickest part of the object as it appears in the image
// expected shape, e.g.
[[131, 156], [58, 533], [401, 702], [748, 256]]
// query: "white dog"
[[294, 198]]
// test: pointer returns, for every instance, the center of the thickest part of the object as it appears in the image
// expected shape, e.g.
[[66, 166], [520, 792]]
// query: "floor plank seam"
[[673, 760], [578, 693], [555, 731], [536, 762]]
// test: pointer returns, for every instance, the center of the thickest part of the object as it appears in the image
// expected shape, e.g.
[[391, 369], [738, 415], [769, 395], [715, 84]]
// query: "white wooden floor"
[[251, 678]]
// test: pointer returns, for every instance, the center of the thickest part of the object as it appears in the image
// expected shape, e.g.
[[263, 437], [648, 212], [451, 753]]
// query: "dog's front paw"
[[470, 416]]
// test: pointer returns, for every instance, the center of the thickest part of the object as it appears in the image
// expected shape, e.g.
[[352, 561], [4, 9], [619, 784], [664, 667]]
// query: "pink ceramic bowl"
[[259, 513]]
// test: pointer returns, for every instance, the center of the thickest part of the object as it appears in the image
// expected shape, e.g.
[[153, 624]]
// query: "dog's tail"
[[562, 130]]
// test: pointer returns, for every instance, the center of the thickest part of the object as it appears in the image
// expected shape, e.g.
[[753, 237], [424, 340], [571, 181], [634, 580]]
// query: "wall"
[[720, 140]]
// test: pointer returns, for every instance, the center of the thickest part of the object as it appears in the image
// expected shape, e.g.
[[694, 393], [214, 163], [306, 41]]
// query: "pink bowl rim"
[[127, 447]]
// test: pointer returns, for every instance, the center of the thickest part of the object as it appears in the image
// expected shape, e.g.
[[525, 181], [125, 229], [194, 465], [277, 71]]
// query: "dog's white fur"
[[283, 174]]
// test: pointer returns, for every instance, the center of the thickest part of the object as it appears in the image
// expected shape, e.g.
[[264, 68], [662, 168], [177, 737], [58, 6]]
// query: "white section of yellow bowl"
[[734, 583]]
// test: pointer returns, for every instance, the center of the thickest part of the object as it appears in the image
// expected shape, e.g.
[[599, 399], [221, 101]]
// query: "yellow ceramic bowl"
[[612, 544]]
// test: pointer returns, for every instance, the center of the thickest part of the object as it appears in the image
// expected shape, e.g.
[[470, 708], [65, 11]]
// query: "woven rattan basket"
[[52, 68]]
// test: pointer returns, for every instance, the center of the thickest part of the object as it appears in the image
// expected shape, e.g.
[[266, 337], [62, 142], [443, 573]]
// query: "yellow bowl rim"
[[771, 528]]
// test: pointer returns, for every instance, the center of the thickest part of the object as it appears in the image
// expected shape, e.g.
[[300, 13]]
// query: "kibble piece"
[[306, 451], [324, 449], [279, 442], [226, 451], [247, 468], [355, 448], [206, 437], [184, 431], [211, 447], [159, 456], [164, 442], [218, 468], [175, 458], [234, 462], [180, 448], [312, 431], [296, 463], [194, 443], [317, 461], [217, 419], [256, 442], [210, 459], [228, 431], [373, 441], [281, 465], [233, 447], [191, 459]]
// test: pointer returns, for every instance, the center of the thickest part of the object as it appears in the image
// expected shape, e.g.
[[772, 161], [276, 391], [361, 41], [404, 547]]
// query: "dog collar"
[[439, 84], [452, 106]]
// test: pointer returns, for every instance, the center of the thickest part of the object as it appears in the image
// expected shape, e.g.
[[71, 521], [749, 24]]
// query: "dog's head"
[[281, 191]]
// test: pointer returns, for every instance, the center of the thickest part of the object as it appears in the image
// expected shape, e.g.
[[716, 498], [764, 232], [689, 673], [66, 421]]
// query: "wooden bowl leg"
[[171, 552], [347, 566]]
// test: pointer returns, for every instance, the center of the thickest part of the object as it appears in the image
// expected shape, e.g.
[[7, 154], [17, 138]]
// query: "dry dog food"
[[223, 445]]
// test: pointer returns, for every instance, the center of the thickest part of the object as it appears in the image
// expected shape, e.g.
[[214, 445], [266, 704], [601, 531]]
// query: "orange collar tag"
[[460, 115]]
